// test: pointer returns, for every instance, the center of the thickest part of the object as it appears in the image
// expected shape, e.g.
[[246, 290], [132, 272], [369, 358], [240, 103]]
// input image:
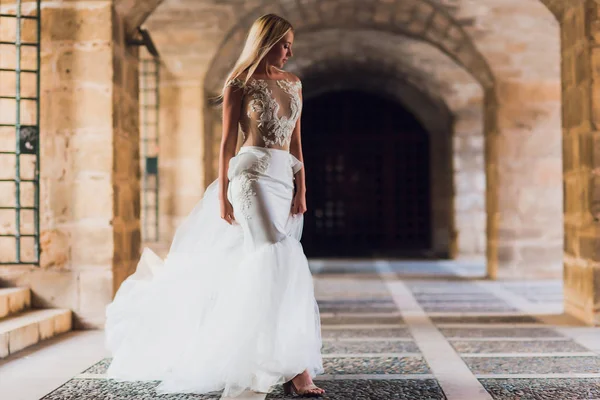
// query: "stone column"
[[469, 179], [581, 152], [181, 152], [529, 180], [126, 171]]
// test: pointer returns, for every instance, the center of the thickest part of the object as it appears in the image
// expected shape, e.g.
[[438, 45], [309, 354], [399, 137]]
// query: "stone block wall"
[[76, 180], [506, 139], [89, 181]]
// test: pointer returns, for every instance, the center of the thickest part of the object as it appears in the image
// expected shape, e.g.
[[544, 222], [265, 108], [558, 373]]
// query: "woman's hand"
[[299, 203], [227, 211]]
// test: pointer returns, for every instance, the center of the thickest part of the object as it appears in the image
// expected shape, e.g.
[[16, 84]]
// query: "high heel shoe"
[[290, 388]]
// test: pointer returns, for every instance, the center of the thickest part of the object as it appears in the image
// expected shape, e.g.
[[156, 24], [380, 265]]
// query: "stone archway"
[[578, 119], [370, 183], [338, 75], [437, 30], [418, 19], [426, 71]]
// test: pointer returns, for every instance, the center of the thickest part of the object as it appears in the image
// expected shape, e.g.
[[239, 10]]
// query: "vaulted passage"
[[369, 179], [452, 154]]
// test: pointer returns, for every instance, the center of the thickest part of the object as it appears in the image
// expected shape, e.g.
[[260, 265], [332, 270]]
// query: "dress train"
[[231, 307]]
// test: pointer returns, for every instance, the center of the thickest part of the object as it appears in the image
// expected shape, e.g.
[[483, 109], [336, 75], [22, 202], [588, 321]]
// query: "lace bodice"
[[270, 110]]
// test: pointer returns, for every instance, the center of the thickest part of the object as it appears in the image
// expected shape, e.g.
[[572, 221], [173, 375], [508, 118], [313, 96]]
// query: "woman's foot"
[[303, 385]]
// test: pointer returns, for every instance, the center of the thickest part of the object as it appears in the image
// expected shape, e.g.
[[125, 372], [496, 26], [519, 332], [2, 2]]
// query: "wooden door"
[[368, 179]]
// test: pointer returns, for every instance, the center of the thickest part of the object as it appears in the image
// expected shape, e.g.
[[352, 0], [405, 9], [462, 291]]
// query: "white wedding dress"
[[231, 307]]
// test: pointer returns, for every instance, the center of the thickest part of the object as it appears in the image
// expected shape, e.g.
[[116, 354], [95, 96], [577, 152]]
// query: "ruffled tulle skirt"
[[231, 307]]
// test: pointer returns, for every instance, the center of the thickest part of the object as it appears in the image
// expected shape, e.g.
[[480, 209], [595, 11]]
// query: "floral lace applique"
[[275, 130], [236, 83], [247, 179]]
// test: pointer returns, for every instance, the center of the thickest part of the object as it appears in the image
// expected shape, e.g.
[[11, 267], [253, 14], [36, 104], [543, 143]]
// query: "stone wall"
[[518, 70], [89, 181], [76, 186], [494, 65]]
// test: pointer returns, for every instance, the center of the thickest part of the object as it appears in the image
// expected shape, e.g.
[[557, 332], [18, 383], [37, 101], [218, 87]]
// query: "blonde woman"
[[232, 307]]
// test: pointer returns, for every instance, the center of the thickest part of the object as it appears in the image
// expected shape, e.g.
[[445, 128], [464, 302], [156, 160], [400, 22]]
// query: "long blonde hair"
[[265, 32]]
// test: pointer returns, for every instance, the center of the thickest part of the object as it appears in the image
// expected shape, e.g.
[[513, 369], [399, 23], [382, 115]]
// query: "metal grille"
[[19, 133], [149, 112], [368, 183]]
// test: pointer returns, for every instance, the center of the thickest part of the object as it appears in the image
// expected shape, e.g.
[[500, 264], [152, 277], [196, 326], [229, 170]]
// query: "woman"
[[232, 306]]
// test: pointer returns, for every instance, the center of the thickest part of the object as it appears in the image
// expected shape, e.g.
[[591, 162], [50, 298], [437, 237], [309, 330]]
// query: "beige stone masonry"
[[13, 300], [30, 327], [90, 193]]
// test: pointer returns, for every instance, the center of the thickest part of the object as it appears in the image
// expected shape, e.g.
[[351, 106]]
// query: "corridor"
[[424, 330]]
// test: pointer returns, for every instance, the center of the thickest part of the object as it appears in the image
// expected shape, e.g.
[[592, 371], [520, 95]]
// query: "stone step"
[[14, 300], [30, 327]]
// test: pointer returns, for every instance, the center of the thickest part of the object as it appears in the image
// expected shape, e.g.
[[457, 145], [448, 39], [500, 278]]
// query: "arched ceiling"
[[417, 19], [336, 75], [412, 60], [489, 39], [421, 77]]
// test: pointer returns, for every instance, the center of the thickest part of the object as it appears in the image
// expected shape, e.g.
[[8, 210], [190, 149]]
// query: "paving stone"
[[542, 389], [363, 302], [358, 306], [354, 294], [96, 389], [358, 309], [533, 365], [445, 287], [405, 389], [466, 307], [452, 297], [420, 268], [366, 333], [362, 320], [499, 332], [477, 319], [99, 368], [341, 270], [359, 271], [351, 288], [375, 365], [499, 346], [369, 347]]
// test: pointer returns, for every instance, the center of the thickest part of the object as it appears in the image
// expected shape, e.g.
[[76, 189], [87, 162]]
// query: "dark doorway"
[[368, 180]]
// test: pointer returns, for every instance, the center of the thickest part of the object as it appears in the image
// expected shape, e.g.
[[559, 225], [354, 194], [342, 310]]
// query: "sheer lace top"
[[270, 110]]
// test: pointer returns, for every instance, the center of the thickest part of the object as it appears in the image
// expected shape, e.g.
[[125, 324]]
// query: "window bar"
[[36, 176], [25, 134], [17, 133], [144, 133], [149, 123], [157, 101]]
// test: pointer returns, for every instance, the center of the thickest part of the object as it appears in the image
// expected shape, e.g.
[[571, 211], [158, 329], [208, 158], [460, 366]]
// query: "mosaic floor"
[[417, 330]]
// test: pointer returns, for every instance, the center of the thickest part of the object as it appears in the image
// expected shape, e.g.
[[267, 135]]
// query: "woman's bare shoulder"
[[290, 76]]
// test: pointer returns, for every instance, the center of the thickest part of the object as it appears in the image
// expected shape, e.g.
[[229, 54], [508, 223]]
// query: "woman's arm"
[[299, 205], [232, 106]]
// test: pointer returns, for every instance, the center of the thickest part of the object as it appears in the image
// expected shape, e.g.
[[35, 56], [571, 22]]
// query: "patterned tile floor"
[[391, 330]]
